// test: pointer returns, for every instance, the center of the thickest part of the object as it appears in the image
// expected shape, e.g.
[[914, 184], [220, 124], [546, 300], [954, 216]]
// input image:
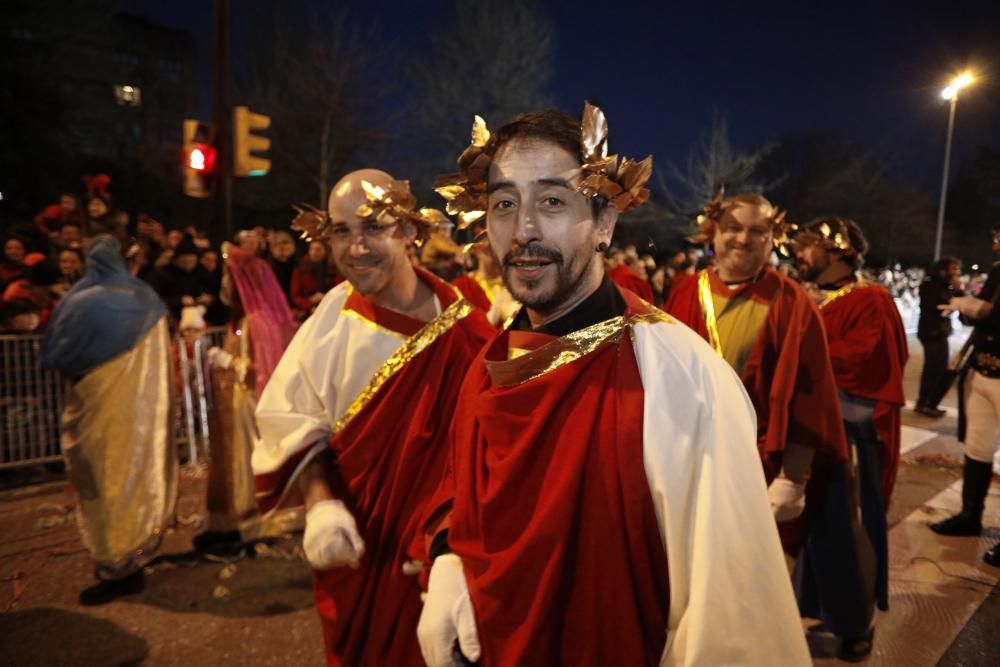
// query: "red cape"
[[868, 351], [473, 292], [553, 517], [788, 377], [626, 277], [389, 459], [788, 373]]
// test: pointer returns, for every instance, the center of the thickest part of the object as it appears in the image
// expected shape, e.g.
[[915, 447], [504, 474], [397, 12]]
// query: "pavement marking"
[[936, 583], [912, 437]]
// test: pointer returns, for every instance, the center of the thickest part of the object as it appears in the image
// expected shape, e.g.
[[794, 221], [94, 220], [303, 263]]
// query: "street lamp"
[[949, 93]]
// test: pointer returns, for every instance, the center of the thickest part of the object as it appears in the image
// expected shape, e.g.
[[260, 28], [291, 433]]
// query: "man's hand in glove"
[[447, 616], [788, 499], [331, 538]]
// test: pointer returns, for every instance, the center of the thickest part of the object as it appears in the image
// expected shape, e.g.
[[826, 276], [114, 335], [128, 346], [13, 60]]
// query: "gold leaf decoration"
[[594, 134]]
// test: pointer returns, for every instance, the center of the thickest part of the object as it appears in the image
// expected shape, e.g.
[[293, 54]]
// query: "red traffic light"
[[201, 158]]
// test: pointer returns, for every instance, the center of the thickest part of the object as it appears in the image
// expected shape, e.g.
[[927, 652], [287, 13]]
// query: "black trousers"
[[935, 367]]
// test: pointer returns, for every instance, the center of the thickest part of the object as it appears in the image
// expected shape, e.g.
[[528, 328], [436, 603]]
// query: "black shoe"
[[856, 650], [218, 541], [933, 413], [960, 525], [992, 557], [106, 591]]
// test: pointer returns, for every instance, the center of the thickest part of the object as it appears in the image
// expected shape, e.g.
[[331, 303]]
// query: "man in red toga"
[[769, 330], [356, 414], [868, 352], [606, 504]]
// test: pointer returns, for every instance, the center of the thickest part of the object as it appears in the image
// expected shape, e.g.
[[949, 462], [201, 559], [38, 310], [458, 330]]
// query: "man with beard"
[[355, 417], [603, 459], [868, 352], [769, 330], [979, 407]]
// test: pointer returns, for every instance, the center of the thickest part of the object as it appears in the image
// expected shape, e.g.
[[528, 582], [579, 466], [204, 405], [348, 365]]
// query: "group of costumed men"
[[594, 482]]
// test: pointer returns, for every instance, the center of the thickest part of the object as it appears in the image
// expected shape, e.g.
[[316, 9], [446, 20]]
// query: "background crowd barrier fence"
[[31, 400], [194, 401], [30, 404]]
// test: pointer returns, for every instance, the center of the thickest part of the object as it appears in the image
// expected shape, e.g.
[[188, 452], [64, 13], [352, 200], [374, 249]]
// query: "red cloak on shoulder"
[[627, 278], [389, 460], [473, 292], [868, 351], [788, 377], [555, 524]]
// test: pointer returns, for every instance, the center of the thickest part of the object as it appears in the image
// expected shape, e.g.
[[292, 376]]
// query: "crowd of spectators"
[[43, 258]]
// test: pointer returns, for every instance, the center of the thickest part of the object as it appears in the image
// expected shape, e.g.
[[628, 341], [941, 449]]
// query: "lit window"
[[128, 95]]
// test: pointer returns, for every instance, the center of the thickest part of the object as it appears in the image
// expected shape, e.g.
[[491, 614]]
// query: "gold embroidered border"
[[566, 349], [708, 308], [410, 349], [843, 291], [355, 315]]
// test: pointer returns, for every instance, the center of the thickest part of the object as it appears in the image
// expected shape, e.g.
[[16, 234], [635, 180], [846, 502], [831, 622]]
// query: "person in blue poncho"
[[108, 336]]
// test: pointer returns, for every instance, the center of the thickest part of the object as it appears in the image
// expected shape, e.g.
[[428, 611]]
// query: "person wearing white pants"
[[980, 428]]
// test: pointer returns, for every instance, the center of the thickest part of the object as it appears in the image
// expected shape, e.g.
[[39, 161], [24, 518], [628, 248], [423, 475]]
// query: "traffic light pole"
[[223, 189]]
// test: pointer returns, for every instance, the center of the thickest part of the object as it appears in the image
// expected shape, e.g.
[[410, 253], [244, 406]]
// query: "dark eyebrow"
[[497, 185], [558, 182]]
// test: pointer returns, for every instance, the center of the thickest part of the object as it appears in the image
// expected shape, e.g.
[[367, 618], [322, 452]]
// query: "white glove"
[[788, 499], [447, 615], [969, 306], [331, 538], [219, 358]]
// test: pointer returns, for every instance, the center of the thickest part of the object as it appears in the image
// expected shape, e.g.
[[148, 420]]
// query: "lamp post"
[[950, 93]]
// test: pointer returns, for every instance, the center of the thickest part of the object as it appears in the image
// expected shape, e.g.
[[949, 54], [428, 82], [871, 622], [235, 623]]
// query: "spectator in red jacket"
[[312, 278], [40, 285], [53, 216]]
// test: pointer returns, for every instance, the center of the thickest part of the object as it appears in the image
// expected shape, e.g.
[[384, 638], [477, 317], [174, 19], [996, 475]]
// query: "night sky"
[[870, 71]]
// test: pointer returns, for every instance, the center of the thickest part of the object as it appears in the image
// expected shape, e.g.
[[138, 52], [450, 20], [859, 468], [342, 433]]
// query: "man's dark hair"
[[11, 309], [43, 274], [855, 237], [552, 125], [944, 264]]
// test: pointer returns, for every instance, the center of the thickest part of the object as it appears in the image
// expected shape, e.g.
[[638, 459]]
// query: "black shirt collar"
[[605, 302]]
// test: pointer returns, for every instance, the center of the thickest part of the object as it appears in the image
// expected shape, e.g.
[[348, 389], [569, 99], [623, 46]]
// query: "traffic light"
[[199, 158], [246, 143]]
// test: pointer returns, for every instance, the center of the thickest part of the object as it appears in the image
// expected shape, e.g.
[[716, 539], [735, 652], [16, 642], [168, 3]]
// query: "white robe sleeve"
[[731, 600]]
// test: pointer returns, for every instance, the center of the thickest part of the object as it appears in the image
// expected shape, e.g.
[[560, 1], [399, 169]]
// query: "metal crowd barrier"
[[30, 404], [195, 399], [31, 400]]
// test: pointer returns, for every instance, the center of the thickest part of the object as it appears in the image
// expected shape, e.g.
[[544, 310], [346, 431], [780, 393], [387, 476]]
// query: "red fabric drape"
[[552, 514], [626, 277], [389, 459], [788, 377], [868, 352]]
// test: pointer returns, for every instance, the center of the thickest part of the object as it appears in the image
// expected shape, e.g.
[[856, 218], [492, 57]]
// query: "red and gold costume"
[[594, 474], [868, 352], [627, 278], [785, 365], [376, 388]]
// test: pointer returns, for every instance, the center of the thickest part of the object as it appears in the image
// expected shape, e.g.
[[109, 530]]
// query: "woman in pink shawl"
[[260, 327]]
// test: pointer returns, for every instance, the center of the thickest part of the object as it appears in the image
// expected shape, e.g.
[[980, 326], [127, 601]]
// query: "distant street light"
[[949, 93]]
